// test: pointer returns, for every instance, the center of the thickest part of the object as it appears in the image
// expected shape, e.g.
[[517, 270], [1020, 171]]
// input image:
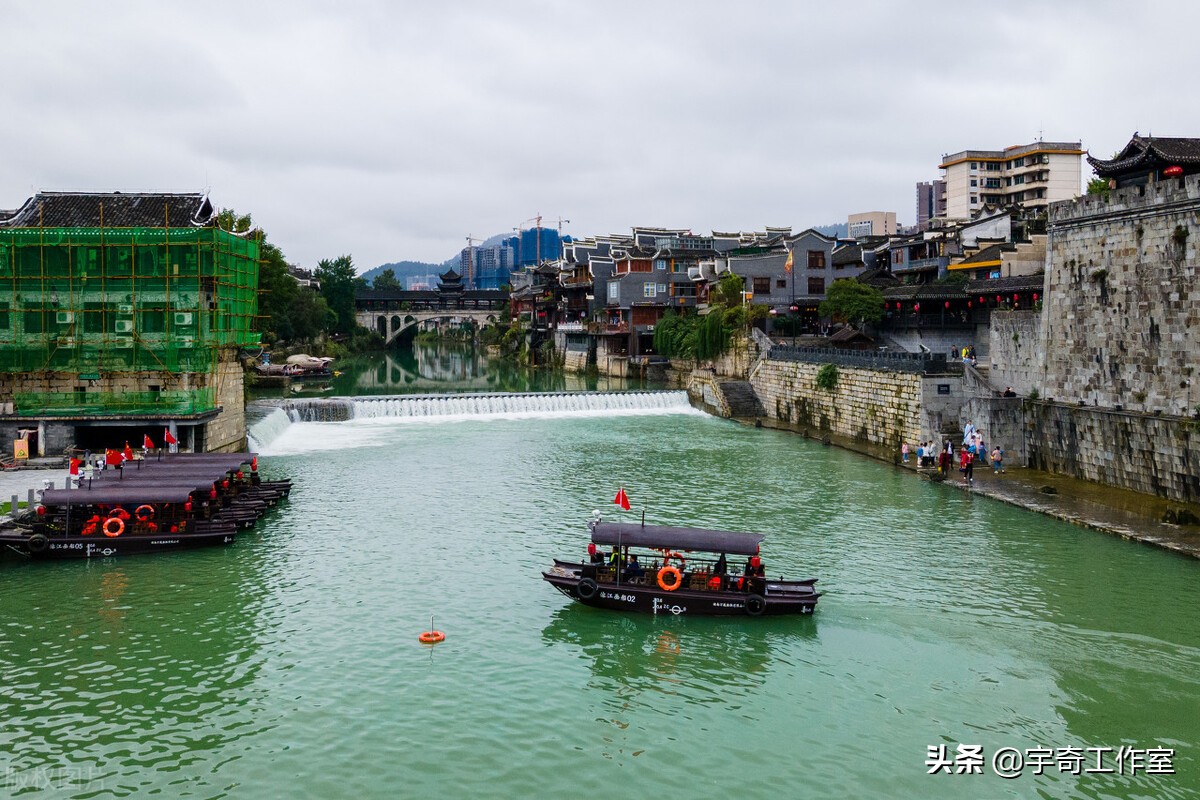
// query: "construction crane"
[[469, 266], [538, 224]]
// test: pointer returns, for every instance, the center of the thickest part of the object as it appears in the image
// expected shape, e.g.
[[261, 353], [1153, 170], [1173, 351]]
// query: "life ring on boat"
[[119, 513], [756, 604], [37, 543], [149, 515], [114, 526], [668, 555], [586, 589], [431, 637], [673, 573]]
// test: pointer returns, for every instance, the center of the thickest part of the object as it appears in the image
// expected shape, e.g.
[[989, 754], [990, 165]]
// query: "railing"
[[76, 404], [899, 362]]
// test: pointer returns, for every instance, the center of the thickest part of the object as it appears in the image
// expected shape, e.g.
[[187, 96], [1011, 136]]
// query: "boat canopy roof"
[[658, 537], [112, 494], [233, 460]]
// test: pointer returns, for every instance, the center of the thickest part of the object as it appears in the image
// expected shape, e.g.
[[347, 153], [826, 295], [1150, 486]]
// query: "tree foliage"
[[850, 301], [386, 280], [1099, 186], [728, 291], [286, 309], [338, 284]]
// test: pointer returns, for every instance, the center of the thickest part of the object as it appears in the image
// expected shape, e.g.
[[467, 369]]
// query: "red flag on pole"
[[75, 464], [168, 438], [112, 458], [127, 452], [622, 499], [147, 442]]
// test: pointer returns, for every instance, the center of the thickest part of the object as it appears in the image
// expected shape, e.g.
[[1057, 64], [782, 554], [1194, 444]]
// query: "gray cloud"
[[393, 130]]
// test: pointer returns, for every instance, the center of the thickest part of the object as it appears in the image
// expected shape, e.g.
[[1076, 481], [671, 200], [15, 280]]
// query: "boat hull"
[[778, 597], [59, 547]]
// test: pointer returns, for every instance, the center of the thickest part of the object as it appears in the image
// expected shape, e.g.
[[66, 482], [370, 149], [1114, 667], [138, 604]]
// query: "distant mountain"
[[838, 230], [405, 270]]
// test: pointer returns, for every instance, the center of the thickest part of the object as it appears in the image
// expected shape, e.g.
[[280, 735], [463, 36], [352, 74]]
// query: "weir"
[[274, 416]]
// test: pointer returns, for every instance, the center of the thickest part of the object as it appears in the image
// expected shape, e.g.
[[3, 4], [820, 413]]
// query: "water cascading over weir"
[[267, 419]]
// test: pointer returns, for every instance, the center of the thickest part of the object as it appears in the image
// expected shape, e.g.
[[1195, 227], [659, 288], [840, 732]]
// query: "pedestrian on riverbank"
[[997, 459], [904, 452], [966, 465]]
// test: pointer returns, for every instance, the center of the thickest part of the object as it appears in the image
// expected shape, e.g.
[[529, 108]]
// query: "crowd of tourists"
[[942, 456]]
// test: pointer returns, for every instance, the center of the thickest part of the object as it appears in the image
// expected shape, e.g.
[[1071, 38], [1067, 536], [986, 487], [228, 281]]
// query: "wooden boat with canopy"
[[662, 569], [147, 506]]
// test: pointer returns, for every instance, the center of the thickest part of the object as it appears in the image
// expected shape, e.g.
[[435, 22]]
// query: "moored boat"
[[662, 569], [172, 502]]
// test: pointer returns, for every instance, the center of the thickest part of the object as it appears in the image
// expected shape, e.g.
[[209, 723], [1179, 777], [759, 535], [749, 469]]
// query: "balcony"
[[917, 264]]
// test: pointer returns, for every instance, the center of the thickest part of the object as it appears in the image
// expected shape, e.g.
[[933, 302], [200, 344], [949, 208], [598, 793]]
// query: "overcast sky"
[[392, 130]]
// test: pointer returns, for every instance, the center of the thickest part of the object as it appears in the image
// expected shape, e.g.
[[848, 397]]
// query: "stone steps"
[[741, 398]]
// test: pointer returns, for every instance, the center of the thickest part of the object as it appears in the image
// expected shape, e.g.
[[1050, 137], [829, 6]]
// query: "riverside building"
[[1028, 175], [121, 315]]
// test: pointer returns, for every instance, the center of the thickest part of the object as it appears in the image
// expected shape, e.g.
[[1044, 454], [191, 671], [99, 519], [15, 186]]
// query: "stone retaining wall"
[[1016, 351], [1143, 452]]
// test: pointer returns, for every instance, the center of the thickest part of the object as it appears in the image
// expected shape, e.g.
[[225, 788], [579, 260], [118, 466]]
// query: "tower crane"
[[469, 266], [538, 224]]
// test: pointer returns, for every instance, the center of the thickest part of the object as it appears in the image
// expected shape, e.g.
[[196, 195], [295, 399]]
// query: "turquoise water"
[[288, 665]]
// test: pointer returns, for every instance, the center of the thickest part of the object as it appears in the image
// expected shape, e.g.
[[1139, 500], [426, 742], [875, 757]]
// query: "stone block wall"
[[1122, 324], [227, 432], [870, 410], [1147, 453], [1015, 345], [1002, 422]]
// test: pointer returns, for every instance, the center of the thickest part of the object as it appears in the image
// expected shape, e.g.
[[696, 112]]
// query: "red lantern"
[[997, 298], [1035, 297], [41, 511], [1171, 172], [1015, 298], [981, 301], [969, 304], [225, 484], [916, 306], [213, 494], [946, 304], [187, 506], [254, 464], [897, 306], [240, 475]]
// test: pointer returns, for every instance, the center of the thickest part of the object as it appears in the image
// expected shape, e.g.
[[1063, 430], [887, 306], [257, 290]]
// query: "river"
[[288, 664]]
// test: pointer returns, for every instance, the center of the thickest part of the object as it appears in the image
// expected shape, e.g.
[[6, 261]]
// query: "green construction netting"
[[92, 300]]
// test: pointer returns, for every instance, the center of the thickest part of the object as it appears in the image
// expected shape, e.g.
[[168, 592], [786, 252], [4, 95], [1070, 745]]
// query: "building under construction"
[[122, 315]]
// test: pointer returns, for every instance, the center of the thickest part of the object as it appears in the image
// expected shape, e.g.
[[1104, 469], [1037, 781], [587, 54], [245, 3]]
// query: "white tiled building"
[[1030, 175]]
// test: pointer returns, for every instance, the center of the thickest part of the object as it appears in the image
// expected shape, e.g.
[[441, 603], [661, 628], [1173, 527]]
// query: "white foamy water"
[[290, 431]]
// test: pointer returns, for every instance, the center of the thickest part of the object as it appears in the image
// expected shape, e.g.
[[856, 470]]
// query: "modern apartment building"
[[931, 202], [871, 223], [1029, 175]]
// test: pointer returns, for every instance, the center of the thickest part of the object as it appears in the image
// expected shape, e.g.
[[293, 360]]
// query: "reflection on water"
[[445, 367]]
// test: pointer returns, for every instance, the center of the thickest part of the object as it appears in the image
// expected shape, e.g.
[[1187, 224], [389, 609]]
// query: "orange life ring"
[[431, 637], [118, 513], [137, 512], [120, 526], [674, 573], [668, 555]]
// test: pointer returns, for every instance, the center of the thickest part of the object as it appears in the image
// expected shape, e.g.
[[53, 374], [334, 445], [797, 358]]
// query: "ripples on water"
[[287, 665]]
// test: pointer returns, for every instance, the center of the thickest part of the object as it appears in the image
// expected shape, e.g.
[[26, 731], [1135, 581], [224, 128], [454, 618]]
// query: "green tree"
[[728, 291], [851, 301], [1099, 186], [339, 282], [386, 280]]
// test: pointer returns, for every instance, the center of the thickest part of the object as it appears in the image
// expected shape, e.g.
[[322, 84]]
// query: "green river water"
[[287, 665]]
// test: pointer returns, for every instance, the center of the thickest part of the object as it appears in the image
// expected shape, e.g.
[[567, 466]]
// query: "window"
[[660, 263], [897, 257], [992, 183], [816, 286], [816, 259], [974, 182], [648, 290], [974, 200], [1018, 162], [762, 286], [974, 165], [614, 291], [780, 283], [1019, 179]]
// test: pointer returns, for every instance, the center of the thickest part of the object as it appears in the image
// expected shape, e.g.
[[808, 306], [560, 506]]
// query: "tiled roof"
[[1016, 284], [1149, 150], [847, 254], [991, 253], [112, 209]]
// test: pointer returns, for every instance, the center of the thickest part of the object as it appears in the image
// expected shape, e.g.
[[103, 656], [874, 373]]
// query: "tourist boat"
[[150, 505], [684, 571]]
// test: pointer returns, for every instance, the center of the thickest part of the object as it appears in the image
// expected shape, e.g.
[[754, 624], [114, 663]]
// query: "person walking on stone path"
[[904, 452], [997, 459]]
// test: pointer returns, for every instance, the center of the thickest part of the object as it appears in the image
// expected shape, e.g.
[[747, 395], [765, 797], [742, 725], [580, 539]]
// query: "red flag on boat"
[[112, 458], [622, 499], [147, 442], [168, 438], [76, 463], [127, 452]]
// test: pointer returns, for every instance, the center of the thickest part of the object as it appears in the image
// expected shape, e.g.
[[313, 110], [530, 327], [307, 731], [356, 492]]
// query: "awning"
[[660, 537], [113, 495]]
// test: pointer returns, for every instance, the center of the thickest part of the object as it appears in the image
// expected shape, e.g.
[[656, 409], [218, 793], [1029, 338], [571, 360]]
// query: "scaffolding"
[[87, 304]]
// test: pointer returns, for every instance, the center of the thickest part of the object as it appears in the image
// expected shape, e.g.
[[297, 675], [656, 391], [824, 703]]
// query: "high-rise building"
[[1028, 175], [931, 202], [871, 223]]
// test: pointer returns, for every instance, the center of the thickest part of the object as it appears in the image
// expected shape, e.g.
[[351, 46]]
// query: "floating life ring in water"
[[674, 574], [431, 637], [114, 526]]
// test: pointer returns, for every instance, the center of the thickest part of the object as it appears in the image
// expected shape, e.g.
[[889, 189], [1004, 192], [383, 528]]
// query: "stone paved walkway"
[[1127, 514]]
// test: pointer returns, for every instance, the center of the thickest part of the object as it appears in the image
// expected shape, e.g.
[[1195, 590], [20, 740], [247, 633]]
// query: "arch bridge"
[[390, 324]]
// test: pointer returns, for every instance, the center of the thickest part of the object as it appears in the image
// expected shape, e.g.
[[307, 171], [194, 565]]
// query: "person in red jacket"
[[966, 463]]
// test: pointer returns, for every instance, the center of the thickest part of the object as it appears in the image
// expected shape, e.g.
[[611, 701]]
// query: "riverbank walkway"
[[1130, 515]]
